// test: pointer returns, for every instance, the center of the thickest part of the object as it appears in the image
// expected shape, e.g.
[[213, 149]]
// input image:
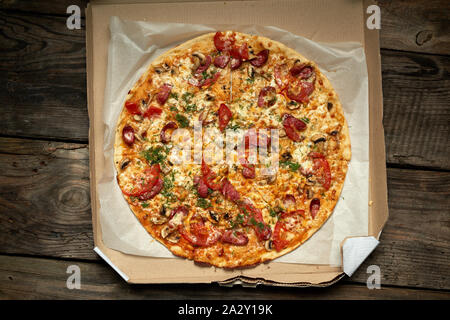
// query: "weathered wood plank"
[[43, 78], [416, 90], [418, 25], [411, 25], [44, 200], [47, 278], [43, 7], [415, 243]]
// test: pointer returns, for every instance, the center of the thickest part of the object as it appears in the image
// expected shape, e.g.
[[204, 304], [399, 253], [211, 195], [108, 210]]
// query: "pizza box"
[[319, 20]]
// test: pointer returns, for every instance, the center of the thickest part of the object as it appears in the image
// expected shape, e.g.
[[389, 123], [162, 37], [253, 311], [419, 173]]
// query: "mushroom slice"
[[209, 97], [200, 56], [251, 71], [214, 217], [281, 132], [268, 245], [267, 179], [292, 105], [158, 219], [163, 212], [309, 192], [166, 167], [286, 156], [271, 178], [199, 59], [124, 163], [318, 137], [165, 231], [174, 237]]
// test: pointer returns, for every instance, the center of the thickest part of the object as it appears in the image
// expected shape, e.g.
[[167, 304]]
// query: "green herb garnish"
[[292, 165], [154, 155], [203, 203], [191, 107], [305, 120], [182, 120], [187, 96]]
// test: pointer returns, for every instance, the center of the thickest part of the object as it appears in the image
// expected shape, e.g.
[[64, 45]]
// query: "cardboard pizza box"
[[319, 20]]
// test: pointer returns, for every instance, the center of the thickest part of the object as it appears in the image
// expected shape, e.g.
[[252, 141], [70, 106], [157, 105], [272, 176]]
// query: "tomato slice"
[[145, 182], [157, 187], [132, 107], [279, 233], [254, 218], [278, 242], [321, 169], [209, 176], [225, 116], [152, 111]]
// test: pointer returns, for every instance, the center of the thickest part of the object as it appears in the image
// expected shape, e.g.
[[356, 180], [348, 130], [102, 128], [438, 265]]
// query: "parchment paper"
[[134, 45]]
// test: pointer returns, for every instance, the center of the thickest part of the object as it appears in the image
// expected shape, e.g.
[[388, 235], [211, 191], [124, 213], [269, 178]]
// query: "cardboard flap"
[[355, 251], [104, 257]]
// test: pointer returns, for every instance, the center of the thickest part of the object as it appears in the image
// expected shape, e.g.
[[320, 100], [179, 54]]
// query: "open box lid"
[[316, 20]]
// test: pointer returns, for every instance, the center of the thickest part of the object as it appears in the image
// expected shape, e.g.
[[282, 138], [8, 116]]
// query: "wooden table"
[[45, 220]]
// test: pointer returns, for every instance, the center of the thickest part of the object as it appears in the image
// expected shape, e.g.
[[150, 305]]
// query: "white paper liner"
[[134, 45]]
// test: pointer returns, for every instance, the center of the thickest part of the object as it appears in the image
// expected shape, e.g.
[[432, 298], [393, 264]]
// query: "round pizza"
[[232, 149]]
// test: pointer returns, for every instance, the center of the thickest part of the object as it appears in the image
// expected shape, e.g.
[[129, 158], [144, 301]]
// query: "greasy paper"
[[134, 45]]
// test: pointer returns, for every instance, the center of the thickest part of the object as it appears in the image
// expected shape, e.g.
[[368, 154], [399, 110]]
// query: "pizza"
[[244, 200]]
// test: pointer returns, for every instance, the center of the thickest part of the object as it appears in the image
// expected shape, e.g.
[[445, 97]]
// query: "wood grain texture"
[[416, 90], [43, 78], [44, 197], [414, 246], [417, 25], [42, 7], [42, 87], [98, 281], [411, 25]]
